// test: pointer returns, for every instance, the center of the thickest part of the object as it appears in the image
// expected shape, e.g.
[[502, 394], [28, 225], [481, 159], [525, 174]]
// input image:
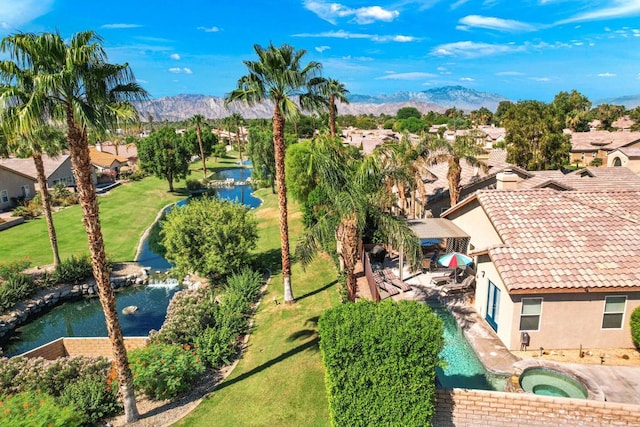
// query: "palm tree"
[[74, 82], [35, 142], [198, 120], [237, 120], [279, 76], [333, 90], [356, 198], [463, 148]]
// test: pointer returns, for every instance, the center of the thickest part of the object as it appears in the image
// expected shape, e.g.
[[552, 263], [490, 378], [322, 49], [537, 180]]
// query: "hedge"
[[380, 362], [635, 326]]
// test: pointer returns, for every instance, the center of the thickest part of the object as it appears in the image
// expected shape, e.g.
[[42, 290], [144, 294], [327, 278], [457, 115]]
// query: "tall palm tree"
[[237, 120], [333, 90], [35, 142], [74, 82], [198, 120], [463, 148], [278, 75], [356, 198]]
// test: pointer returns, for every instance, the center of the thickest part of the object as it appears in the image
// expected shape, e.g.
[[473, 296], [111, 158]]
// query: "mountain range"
[[182, 107]]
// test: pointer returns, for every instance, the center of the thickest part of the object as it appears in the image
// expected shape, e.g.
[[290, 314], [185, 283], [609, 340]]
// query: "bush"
[[28, 211], [137, 175], [36, 409], [12, 268], [246, 285], [92, 397], [193, 184], [162, 371], [15, 289], [73, 270], [635, 326], [380, 362], [217, 346]]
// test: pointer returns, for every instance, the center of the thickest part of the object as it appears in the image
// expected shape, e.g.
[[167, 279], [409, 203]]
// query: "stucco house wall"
[[12, 183], [63, 173], [475, 222], [624, 160]]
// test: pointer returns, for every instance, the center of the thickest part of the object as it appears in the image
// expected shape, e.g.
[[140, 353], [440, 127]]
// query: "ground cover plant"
[[381, 362], [635, 326]]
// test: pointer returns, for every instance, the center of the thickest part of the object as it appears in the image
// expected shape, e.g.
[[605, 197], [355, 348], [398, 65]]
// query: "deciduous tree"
[[165, 154]]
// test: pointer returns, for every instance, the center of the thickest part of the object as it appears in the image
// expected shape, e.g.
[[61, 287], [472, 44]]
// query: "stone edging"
[[148, 230]]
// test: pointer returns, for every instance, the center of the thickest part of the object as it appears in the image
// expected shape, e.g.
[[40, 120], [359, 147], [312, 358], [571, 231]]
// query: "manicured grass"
[[125, 212], [280, 379]]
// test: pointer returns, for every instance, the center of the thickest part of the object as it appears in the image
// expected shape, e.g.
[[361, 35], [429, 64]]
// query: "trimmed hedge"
[[635, 326], [380, 362]]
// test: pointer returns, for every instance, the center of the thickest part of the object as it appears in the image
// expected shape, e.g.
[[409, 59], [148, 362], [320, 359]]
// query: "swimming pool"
[[462, 367]]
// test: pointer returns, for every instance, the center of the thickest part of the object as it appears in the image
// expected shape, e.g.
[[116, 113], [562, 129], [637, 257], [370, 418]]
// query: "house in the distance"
[[628, 157], [106, 165], [14, 185], [588, 146], [561, 266]]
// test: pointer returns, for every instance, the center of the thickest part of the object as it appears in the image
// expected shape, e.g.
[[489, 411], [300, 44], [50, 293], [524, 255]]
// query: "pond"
[[84, 318]]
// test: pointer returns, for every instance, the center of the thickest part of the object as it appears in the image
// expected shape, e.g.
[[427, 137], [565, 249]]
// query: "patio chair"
[[384, 285], [390, 277], [464, 286], [448, 277]]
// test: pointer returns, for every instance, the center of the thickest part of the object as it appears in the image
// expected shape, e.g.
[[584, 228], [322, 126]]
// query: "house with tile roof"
[[106, 164], [57, 170], [561, 266], [587, 146], [628, 157]]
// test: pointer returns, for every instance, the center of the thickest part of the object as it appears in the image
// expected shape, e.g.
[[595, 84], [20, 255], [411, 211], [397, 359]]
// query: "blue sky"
[[529, 49]]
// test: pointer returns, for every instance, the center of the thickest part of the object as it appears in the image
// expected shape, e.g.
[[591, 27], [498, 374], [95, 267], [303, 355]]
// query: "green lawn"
[[280, 379]]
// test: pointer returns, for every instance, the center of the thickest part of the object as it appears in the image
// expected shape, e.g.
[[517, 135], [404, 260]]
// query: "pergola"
[[433, 229]]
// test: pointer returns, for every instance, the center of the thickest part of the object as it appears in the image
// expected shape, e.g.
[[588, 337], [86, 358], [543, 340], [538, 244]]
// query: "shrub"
[[92, 397], [635, 326], [9, 269], [193, 184], [217, 346], [380, 362], [245, 285], [36, 409], [73, 270], [162, 371], [137, 175], [15, 289]]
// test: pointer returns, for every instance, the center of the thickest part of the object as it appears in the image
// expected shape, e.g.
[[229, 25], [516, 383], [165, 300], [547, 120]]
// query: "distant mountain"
[[182, 107], [629, 102], [445, 97]]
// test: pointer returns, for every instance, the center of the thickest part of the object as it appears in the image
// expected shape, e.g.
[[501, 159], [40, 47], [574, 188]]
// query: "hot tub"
[[549, 382]]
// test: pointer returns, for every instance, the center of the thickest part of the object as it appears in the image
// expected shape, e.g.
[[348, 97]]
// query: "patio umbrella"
[[454, 259]]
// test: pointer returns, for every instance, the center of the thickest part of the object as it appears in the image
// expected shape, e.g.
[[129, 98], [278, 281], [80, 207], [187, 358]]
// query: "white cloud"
[[491, 23], [509, 73], [638, 76], [458, 4], [606, 75], [406, 76], [469, 49], [540, 79], [14, 13], [209, 29], [619, 9], [330, 12], [175, 56], [178, 70], [142, 81], [357, 58], [322, 48], [120, 26], [341, 34], [467, 79]]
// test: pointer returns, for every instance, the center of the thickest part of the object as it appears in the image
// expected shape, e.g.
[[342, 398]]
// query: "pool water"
[[237, 193], [462, 367], [549, 382], [85, 318]]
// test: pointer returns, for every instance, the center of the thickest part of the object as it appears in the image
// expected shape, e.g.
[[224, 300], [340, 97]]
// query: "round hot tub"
[[549, 382]]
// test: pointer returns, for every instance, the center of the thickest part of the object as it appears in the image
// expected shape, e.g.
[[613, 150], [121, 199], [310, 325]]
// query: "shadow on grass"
[[317, 291], [271, 260], [309, 345]]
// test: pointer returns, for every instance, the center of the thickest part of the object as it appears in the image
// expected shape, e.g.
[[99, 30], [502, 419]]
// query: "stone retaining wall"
[[11, 223], [462, 407], [49, 298], [89, 347]]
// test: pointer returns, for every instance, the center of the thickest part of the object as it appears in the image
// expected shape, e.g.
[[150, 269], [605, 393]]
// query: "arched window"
[[617, 162]]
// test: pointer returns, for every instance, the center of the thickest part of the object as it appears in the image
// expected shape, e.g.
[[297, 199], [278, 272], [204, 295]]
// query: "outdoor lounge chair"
[[384, 285], [390, 277], [449, 277], [464, 286]]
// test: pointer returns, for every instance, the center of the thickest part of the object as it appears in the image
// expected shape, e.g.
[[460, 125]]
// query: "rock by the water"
[[129, 309]]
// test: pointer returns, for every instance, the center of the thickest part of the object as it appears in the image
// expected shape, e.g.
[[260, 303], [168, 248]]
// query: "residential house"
[[57, 170], [561, 266], [588, 146], [106, 165], [128, 151], [628, 157], [14, 185]]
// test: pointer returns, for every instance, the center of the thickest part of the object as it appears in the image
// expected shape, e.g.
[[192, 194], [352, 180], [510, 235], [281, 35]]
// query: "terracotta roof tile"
[[601, 140], [565, 240]]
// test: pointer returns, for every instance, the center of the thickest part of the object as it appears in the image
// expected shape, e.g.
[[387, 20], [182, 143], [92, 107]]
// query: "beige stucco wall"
[[631, 164], [13, 184], [64, 171], [473, 220], [572, 320]]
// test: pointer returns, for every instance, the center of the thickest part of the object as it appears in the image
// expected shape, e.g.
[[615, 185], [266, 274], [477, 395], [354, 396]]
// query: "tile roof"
[[28, 168], [601, 140], [129, 151], [630, 151], [565, 241], [602, 179], [103, 159]]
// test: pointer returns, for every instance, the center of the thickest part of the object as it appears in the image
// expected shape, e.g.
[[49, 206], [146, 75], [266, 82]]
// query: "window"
[[4, 196], [26, 191], [530, 314], [613, 312], [617, 162]]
